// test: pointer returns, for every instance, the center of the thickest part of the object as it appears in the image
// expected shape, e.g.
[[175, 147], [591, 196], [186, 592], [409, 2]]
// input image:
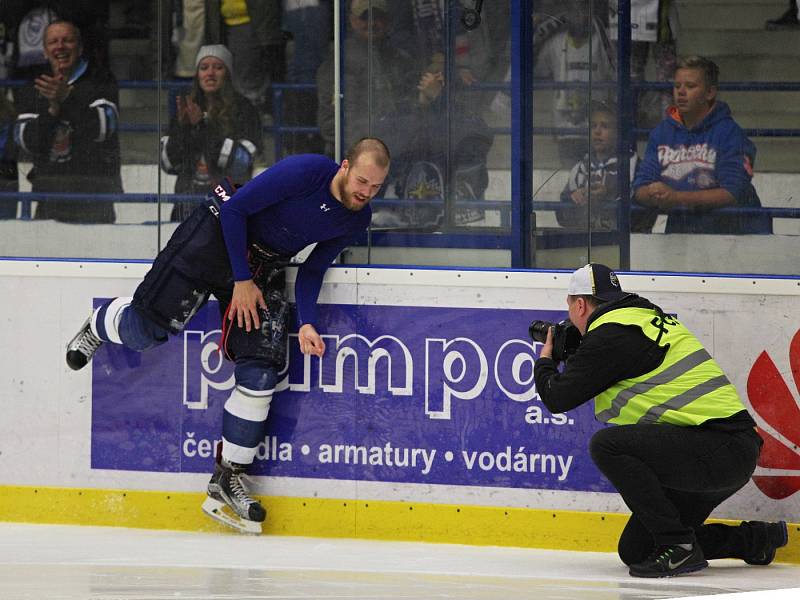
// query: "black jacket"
[[609, 354], [226, 153], [78, 150]]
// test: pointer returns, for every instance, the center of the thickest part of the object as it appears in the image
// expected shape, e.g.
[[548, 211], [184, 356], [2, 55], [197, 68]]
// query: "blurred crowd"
[[412, 73]]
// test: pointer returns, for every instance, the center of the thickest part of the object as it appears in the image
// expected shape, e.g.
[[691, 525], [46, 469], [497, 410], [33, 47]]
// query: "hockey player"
[[236, 245]]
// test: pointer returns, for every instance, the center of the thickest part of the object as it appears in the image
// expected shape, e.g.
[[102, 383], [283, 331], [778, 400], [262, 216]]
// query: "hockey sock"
[[243, 423], [105, 320]]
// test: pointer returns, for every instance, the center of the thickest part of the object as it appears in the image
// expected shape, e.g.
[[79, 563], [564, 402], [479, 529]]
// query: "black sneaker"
[[668, 561], [767, 537], [787, 20], [82, 347]]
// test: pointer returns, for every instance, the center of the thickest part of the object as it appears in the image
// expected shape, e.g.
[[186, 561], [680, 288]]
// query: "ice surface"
[[54, 562]]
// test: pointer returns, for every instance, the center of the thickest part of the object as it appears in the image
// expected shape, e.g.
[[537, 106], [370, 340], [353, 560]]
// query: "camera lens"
[[538, 331]]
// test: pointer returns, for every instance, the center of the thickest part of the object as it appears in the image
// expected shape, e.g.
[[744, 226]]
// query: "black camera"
[[566, 337]]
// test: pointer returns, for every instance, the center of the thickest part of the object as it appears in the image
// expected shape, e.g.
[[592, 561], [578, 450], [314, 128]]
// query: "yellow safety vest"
[[687, 388]]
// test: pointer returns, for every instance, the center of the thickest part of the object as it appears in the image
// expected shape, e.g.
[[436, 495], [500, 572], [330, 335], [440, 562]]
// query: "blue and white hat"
[[596, 280]]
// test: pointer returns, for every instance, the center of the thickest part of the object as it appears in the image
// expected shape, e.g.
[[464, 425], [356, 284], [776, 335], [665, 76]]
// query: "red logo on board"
[[777, 406]]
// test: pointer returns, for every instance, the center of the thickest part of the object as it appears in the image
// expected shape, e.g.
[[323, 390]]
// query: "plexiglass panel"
[[668, 146], [428, 78], [80, 123]]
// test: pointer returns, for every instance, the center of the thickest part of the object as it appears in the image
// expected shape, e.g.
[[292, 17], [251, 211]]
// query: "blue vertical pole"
[[277, 112], [625, 136], [521, 132]]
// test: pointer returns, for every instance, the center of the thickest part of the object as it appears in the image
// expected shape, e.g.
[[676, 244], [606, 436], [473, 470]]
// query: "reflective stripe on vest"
[[687, 388]]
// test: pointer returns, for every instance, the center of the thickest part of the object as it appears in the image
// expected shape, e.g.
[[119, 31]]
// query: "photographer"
[[684, 442]]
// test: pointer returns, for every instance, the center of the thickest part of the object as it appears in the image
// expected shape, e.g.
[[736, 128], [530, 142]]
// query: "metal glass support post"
[[339, 19], [626, 120], [450, 25], [159, 125], [521, 132]]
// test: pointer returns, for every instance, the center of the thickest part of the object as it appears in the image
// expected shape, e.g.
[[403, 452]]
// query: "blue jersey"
[[286, 208], [715, 153]]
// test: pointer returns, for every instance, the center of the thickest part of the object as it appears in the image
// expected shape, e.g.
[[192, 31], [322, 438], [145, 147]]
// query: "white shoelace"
[[89, 343], [239, 490]]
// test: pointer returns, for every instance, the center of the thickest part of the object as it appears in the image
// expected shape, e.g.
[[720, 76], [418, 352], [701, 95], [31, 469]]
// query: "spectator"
[[8, 163], [429, 29], [593, 186], [309, 24], [29, 18], [565, 57], [483, 54], [479, 55], [698, 159], [452, 133], [788, 20], [189, 33], [215, 132], [251, 29], [548, 18], [450, 149], [654, 27], [68, 122], [186, 22], [379, 97]]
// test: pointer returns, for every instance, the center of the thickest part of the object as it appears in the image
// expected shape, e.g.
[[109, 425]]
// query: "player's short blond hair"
[[372, 146]]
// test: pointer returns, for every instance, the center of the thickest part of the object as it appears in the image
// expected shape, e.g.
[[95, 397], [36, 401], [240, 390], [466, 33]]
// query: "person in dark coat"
[[68, 122], [214, 134]]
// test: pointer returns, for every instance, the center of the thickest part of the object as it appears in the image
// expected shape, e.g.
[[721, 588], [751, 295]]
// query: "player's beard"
[[348, 198]]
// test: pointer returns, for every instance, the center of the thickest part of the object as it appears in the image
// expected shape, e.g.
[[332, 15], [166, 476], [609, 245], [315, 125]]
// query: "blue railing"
[[278, 130], [502, 206]]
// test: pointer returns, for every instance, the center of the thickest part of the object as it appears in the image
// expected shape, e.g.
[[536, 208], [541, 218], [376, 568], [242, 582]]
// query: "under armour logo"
[[324, 207]]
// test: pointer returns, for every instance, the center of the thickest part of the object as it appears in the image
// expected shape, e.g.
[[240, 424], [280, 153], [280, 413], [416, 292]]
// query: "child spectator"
[[593, 185], [698, 160]]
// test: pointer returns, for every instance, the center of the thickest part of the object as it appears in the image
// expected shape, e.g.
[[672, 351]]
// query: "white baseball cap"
[[596, 280]]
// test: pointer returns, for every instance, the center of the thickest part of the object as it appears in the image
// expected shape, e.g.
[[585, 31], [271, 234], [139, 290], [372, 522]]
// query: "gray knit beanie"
[[217, 51]]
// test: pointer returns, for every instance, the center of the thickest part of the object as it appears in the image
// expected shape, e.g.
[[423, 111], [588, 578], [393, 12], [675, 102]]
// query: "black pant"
[[672, 478], [193, 265]]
